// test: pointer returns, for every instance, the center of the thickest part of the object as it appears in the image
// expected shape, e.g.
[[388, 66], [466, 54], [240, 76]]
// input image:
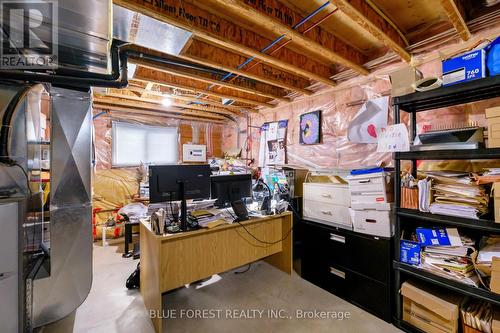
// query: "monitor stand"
[[182, 192]]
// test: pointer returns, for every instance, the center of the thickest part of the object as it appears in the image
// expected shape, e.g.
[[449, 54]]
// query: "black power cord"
[[259, 240], [245, 270]]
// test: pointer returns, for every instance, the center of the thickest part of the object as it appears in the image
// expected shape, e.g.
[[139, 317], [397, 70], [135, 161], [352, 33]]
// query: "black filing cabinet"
[[353, 266]]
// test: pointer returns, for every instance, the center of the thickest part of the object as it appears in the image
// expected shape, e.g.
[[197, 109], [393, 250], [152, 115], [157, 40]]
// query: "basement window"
[[134, 144]]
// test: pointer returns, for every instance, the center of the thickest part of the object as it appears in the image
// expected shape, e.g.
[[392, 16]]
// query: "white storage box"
[[375, 222], [337, 194], [327, 213], [327, 203], [371, 188]]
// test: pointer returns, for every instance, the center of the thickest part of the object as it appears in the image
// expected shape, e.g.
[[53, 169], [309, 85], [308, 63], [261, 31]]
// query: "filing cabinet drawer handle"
[[326, 212], [326, 195], [370, 221], [337, 238], [337, 272]]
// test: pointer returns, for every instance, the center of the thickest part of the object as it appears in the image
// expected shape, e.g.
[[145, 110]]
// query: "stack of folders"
[[488, 176], [452, 260], [477, 314], [456, 194], [207, 218]]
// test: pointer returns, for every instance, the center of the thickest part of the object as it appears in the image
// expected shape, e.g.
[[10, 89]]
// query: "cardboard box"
[[495, 323], [493, 119], [466, 67], [420, 317], [402, 80], [496, 202], [373, 222], [371, 188], [409, 252], [495, 275], [430, 309]]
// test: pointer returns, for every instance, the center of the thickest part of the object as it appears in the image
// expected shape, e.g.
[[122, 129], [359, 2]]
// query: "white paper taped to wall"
[[371, 117], [393, 138]]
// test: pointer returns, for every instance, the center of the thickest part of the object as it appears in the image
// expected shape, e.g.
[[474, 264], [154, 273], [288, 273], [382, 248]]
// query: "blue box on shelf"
[[466, 67], [409, 252]]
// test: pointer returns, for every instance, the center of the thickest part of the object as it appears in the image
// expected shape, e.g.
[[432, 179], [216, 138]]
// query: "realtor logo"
[[28, 34]]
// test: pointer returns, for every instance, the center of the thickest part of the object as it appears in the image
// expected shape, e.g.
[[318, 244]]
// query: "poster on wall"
[[273, 143], [310, 128], [371, 117]]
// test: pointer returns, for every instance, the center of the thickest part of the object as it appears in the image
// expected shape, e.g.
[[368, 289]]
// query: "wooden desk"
[[169, 262]]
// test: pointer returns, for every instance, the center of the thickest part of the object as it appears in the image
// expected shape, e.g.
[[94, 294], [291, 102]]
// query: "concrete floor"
[[110, 307]]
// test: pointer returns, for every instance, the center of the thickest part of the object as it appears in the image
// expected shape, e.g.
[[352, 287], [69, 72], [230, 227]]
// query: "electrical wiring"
[[245, 270], [257, 239]]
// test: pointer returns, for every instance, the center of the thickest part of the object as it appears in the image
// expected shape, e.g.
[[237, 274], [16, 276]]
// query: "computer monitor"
[[165, 182], [179, 182], [230, 188]]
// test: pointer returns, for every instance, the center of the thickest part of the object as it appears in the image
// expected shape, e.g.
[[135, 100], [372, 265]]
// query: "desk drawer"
[[327, 212], [329, 193]]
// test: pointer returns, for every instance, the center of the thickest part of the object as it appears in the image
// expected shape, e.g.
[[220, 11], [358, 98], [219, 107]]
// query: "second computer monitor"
[[230, 188]]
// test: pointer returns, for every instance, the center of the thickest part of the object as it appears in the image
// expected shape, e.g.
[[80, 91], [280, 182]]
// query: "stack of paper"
[[491, 171], [424, 194], [207, 218], [456, 194], [449, 254], [490, 247]]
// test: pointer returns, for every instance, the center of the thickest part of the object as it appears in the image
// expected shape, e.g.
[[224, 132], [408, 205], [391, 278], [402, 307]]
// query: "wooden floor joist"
[[229, 35], [133, 111], [207, 80], [317, 43], [173, 104], [140, 89], [147, 106], [206, 54], [361, 13], [202, 91], [456, 15]]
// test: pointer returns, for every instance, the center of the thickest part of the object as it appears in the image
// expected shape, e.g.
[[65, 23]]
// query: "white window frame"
[[118, 162]]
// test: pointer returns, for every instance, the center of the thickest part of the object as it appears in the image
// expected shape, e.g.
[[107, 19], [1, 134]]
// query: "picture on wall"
[[310, 128], [273, 143]]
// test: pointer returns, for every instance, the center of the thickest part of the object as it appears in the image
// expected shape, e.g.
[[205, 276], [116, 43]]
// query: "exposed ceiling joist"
[[219, 31], [168, 83], [320, 43], [210, 55], [364, 15], [142, 105], [173, 103], [148, 87], [208, 80], [232, 108], [137, 112], [456, 15]]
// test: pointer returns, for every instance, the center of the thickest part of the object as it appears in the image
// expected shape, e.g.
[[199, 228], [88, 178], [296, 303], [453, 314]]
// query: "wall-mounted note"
[[393, 138]]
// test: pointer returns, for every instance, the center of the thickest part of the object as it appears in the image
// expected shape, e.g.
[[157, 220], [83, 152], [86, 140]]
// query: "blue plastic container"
[[493, 59]]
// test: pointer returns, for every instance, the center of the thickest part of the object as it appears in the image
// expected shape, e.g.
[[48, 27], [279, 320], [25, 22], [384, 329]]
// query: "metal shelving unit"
[[432, 100]]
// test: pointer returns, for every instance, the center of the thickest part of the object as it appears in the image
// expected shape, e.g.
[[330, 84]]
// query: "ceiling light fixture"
[[166, 102]]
